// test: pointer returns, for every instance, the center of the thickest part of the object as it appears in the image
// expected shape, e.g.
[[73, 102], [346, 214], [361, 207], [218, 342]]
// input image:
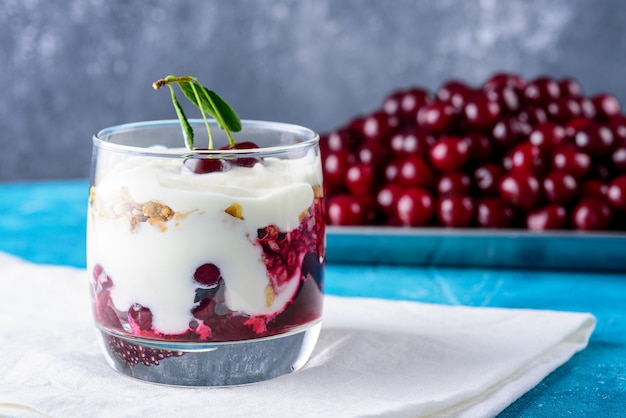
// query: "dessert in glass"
[[206, 265]]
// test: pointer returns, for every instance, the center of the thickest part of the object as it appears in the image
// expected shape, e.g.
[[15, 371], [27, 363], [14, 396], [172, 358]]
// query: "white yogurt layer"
[[153, 265]]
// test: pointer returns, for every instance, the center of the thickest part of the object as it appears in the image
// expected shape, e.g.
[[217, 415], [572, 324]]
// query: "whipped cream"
[[153, 264]]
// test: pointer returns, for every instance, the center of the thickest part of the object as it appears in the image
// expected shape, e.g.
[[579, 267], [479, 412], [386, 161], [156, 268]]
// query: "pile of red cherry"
[[512, 153]]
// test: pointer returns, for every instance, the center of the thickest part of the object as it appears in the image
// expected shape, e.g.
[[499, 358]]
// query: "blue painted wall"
[[70, 68]]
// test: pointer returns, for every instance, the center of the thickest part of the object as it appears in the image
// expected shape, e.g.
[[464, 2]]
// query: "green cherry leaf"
[[201, 101], [184, 123], [228, 116], [209, 103]]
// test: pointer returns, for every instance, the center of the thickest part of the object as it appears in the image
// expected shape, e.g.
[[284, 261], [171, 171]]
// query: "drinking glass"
[[207, 265]]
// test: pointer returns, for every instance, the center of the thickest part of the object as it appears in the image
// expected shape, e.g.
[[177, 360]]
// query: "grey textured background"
[[70, 68]]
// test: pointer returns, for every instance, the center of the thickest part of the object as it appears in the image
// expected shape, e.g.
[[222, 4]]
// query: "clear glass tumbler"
[[206, 266]]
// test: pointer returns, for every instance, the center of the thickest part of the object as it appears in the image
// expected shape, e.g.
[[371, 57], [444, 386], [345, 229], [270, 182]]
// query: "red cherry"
[[361, 179], [437, 117], [387, 198], [617, 124], [594, 188], [343, 139], [616, 193], [391, 104], [480, 112], [507, 98], [527, 157], [595, 139], [480, 148], [456, 92], [418, 144], [533, 115], [244, 161], [241, 145], [205, 165], [373, 153], [509, 131], [572, 126], [564, 109], [507, 161], [449, 153], [505, 79], [520, 189], [494, 212], [411, 141], [587, 108], [369, 208], [396, 141], [618, 158], [414, 171], [548, 217], [208, 274], [541, 90], [412, 101], [591, 213], [560, 187], [415, 207], [454, 183], [571, 160], [323, 144], [455, 211], [606, 106], [548, 136], [378, 126], [486, 179], [345, 210], [356, 124], [391, 170], [570, 87], [335, 165]]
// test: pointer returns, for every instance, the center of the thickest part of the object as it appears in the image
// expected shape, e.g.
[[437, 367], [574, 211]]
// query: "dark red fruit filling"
[[134, 354], [105, 311], [294, 255], [140, 317], [283, 253]]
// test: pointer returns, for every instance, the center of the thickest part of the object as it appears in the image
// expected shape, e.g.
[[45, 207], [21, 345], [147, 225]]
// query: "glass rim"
[[310, 138]]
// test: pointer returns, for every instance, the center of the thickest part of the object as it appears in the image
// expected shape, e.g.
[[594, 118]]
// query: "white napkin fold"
[[374, 358]]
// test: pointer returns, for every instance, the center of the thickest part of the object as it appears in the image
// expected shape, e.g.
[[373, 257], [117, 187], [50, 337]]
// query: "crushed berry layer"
[[295, 255], [134, 354]]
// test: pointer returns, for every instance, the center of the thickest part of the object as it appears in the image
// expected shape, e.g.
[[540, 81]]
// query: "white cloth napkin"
[[374, 358]]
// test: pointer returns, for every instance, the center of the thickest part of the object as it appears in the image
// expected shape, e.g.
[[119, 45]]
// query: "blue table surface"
[[44, 222]]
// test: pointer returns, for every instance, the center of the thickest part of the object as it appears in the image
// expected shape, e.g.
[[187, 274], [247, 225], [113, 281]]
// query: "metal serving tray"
[[514, 249]]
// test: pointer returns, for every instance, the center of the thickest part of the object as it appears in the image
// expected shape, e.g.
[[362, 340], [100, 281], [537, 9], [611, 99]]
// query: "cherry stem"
[[206, 122]]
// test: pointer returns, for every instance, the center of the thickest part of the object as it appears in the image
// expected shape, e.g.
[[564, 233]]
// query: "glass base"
[[210, 364]]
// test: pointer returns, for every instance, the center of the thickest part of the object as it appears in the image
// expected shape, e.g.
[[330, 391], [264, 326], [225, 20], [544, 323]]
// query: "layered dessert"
[[229, 255]]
